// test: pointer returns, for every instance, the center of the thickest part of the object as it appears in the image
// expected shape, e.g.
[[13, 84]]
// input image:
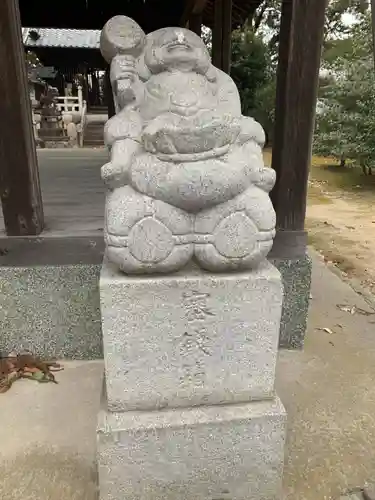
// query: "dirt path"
[[341, 217], [341, 225]]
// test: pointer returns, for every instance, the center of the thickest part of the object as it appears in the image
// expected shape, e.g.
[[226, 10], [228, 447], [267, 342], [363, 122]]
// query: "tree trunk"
[[364, 170]]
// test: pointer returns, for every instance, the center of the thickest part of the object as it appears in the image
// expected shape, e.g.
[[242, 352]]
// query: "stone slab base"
[[47, 279], [296, 275], [52, 311], [227, 452], [189, 338]]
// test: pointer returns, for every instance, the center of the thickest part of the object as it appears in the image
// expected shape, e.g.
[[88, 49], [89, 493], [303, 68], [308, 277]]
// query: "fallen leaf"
[[25, 365], [349, 309], [354, 309], [327, 330], [31, 369], [38, 375]]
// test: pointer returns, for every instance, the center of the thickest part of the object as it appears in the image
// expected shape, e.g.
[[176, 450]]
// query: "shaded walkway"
[[72, 191]]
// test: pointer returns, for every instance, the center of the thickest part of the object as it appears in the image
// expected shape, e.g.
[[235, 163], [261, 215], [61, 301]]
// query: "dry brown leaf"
[[351, 309], [327, 330], [25, 365]]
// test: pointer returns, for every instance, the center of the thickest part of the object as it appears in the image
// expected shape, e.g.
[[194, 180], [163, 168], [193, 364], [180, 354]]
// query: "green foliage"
[[254, 74], [32, 60], [255, 52], [345, 125], [264, 106], [338, 49], [266, 16], [32, 64], [334, 24], [250, 66], [265, 19], [356, 43]]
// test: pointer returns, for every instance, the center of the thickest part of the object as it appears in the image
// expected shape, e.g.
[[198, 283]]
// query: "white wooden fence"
[[70, 104]]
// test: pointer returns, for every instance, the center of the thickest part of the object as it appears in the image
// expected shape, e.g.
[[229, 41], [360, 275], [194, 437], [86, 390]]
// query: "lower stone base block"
[[228, 452]]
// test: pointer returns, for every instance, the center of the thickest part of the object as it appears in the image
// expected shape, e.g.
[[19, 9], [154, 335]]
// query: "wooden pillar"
[[301, 36], [195, 23], [217, 34], [221, 35], [192, 15], [95, 88], [108, 94], [19, 179], [86, 93], [227, 36]]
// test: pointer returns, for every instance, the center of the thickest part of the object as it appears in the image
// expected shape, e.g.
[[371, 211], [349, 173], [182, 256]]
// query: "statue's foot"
[[145, 235], [237, 234]]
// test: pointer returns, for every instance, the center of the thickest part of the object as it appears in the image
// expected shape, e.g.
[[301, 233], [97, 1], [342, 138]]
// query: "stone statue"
[[186, 176]]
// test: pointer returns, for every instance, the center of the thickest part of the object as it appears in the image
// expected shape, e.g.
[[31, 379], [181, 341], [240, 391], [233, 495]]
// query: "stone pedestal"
[[189, 410], [222, 452], [190, 338], [189, 406]]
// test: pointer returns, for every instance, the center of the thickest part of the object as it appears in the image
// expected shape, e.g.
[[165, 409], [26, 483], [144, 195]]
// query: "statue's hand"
[[113, 175], [265, 179], [125, 92], [116, 172]]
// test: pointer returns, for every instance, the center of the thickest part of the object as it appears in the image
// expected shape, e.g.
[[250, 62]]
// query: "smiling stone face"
[[183, 93], [177, 48], [182, 114]]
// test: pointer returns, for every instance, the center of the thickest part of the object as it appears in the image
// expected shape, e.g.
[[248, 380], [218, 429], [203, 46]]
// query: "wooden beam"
[[19, 178], [301, 36], [195, 24], [192, 7], [199, 6], [217, 34], [227, 36], [222, 34], [109, 94]]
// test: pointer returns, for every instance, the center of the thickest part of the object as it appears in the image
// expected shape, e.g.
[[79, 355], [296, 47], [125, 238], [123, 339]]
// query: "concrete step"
[[57, 138], [94, 131], [98, 110], [51, 133], [93, 142], [94, 134], [98, 124], [94, 138]]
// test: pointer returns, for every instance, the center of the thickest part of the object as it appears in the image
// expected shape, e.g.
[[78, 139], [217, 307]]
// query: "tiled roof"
[[63, 38]]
